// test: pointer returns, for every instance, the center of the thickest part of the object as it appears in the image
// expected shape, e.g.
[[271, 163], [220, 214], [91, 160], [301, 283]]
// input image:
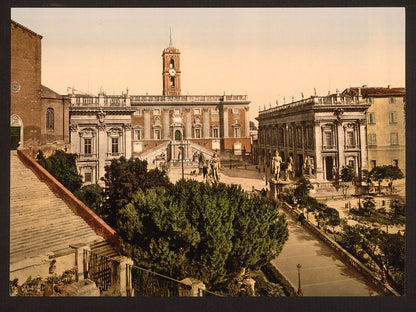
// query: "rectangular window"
[[156, 112], [87, 147], [391, 100], [328, 139], [137, 135], [394, 139], [197, 111], [87, 177], [236, 110], [197, 133], [114, 145], [373, 163], [392, 117], [371, 118], [372, 139], [237, 132], [215, 132], [350, 138]]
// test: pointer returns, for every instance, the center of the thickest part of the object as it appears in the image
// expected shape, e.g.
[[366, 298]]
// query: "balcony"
[[329, 147], [87, 156]]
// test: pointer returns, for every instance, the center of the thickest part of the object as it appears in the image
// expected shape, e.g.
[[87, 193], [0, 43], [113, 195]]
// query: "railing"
[[98, 269], [87, 156], [315, 100], [187, 98]]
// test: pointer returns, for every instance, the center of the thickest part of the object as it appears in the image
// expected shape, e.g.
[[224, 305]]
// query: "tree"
[[392, 173], [209, 232], [367, 178], [332, 216], [347, 174], [378, 174], [63, 167], [303, 186], [93, 197], [368, 206], [393, 249], [123, 179]]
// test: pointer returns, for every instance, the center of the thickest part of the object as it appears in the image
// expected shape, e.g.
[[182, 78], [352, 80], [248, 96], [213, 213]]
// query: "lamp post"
[[300, 293]]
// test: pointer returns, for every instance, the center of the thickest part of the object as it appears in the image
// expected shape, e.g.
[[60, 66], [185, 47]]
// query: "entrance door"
[[15, 137], [177, 135], [329, 164]]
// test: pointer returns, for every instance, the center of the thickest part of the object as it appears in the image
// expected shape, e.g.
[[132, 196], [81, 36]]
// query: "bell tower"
[[171, 70]]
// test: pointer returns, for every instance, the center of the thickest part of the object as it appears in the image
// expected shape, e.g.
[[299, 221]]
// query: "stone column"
[[341, 145], [146, 113], [102, 150], [247, 121], [225, 112], [188, 123], [206, 123], [166, 124], [127, 144], [318, 150], [124, 279], [363, 144], [79, 259]]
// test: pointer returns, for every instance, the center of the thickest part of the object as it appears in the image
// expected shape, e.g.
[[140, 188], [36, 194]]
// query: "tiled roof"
[[26, 29], [379, 91]]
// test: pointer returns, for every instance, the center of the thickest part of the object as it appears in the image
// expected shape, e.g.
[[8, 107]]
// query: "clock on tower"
[[171, 71]]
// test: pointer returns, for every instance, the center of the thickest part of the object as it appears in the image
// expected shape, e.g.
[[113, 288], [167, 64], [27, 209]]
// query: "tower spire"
[[170, 37]]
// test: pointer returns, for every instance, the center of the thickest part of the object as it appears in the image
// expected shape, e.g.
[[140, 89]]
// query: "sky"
[[270, 54]]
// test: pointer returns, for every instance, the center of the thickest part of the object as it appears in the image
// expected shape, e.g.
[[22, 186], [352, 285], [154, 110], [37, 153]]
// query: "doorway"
[[329, 165], [299, 165], [15, 137]]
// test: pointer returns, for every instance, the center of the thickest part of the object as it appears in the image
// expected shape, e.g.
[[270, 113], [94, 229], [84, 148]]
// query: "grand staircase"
[[41, 224]]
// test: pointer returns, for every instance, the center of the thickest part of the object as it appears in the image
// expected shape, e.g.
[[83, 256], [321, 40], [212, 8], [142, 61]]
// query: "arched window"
[[49, 118], [172, 82], [172, 63], [178, 135]]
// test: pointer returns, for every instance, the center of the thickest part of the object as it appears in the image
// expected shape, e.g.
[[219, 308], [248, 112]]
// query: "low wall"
[[79, 208], [345, 255]]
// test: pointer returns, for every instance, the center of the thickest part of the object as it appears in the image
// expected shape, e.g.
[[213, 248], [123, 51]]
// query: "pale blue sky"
[[266, 53]]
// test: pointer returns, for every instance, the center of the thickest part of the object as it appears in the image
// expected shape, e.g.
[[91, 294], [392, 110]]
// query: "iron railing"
[[98, 269]]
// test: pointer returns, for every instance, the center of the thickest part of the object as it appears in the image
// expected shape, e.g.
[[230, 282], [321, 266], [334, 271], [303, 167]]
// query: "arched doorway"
[[16, 131]]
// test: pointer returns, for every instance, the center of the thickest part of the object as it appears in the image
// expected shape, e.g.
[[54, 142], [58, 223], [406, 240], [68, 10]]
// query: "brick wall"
[[26, 70]]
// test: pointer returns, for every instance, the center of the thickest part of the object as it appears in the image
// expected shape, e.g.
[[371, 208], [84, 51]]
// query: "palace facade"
[[386, 125], [158, 128], [329, 130]]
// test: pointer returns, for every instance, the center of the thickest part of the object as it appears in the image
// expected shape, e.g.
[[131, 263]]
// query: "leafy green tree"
[[397, 207], [347, 174], [368, 206], [333, 218], [367, 178], [123, 179], [92, 196], [378, 174], [393, 249], [351, 238], [209, 232], [63, 167], [392, 173]]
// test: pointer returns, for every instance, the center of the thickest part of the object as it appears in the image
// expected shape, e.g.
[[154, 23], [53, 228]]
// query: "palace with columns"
[[330, 130], [170, 127]]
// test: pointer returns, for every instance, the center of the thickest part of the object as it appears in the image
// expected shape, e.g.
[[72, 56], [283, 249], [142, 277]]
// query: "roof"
[[26, 29], [378, 91], [49, 93]]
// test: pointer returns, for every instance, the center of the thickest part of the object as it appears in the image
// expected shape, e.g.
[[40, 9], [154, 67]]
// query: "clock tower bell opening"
[[171, 74]]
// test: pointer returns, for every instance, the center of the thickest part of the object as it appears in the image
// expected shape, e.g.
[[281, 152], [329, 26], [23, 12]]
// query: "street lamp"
[[300, 293]]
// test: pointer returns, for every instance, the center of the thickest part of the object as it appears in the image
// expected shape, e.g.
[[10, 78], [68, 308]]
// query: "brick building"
[[39, 116], [386, 125], [157, 128], [329, 131]]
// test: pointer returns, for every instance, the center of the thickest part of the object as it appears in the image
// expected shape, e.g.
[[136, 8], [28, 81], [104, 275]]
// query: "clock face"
[[15, 86], [172, 71]]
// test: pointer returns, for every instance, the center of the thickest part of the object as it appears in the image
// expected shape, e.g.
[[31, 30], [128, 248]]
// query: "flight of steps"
[[40, 222]]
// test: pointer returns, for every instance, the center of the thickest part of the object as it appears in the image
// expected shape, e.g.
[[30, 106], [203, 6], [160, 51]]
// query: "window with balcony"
[[114, 145], [350, 139], [87, 147], [197, 133], [157, 133], [328, 139], [215, 132]]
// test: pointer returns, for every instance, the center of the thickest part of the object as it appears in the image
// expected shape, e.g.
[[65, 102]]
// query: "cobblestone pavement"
[[322, 272]]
